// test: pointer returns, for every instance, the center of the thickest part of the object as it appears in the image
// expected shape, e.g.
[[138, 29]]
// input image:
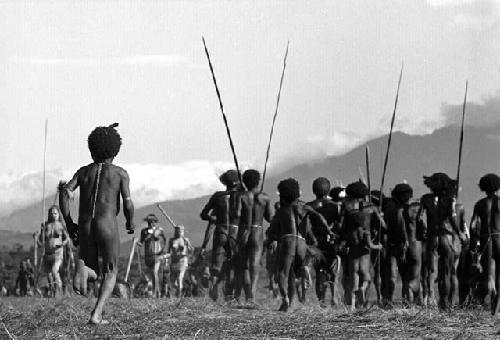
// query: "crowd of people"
[[361, 236], [364, 235]]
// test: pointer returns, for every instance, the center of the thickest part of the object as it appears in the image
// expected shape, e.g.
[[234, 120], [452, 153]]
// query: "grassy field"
[[42, 318]]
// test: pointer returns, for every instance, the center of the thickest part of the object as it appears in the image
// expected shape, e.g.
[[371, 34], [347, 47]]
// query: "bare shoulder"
[[218, 194], [83, 170], [263, 197], [119, 170]]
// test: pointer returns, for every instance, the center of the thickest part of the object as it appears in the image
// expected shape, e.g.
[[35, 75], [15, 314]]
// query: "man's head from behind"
[[402, 193], [321, 187], [251, 179], [229, 178], [104, 143], [289, 190], [357, 190], [151, 219], [489, 183]]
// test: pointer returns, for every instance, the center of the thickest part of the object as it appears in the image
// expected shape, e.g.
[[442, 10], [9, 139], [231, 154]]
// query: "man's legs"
[[432, 269], [86, 266], [254, 253], [156, 276], [219, 249], [364, 278], [106, 233], [353, 269], [392, 275], [445, 268], [240, 260], [57, 283], [285, 260]]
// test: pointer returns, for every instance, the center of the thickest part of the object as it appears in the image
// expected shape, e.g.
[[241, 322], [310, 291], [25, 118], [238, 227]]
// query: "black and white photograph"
[[249, 169]]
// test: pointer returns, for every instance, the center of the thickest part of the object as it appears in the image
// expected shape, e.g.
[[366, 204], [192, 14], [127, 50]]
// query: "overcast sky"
[[142, 64]]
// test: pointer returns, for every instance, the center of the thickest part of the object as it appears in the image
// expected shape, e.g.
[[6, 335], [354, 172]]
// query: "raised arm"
[[128, 205]]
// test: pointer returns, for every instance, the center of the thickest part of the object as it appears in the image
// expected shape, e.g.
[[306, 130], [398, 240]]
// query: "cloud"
[[482, 114], [441, 3], [21, 189], [149, 183], [161, 60], [475, 14]]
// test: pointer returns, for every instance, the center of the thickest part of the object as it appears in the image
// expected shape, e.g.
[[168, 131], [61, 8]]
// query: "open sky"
[[142, 64]]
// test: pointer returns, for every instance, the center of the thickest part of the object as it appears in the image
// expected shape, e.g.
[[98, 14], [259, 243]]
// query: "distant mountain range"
[[411, 157]]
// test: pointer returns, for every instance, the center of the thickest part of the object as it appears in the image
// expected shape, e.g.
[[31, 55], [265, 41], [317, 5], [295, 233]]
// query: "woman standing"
[[53, 238]]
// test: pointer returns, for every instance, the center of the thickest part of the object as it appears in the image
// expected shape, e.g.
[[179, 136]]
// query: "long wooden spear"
[[169, 219], [42, 231], [386, 160], [274, 117], [368, 179], [222, 111], [461, 138]]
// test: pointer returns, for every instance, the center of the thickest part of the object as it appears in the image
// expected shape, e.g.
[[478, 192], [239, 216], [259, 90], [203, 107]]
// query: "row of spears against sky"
[[389, 140]]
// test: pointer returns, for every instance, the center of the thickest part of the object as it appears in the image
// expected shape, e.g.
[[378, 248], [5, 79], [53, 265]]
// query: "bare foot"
[[95, 322], [96, 319]]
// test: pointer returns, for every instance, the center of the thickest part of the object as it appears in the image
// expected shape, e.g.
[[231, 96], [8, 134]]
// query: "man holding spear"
[[219, 212], [154, 241]]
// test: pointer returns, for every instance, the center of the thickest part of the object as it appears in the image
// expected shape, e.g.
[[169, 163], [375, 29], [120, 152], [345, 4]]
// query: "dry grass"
[[36, 318]]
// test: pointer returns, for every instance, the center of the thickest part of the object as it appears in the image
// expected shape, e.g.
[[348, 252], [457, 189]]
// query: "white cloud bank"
[[149, 183]]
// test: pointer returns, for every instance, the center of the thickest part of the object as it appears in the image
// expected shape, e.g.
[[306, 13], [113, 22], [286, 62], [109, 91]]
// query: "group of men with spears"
[[360, 234], [349, 232]]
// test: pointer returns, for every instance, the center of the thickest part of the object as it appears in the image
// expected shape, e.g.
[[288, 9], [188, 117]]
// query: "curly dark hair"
[[357, 190], [104, 142], [489, 183], [402, 193], [441, 184], [151, 218], [321, 186], [229, 178], [251, 178], [289, 190]]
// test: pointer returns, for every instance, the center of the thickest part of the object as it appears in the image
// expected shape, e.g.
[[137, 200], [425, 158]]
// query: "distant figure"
[[24, 278], [101, 184], [358, 218], [451, 234], [327, 265], [179, 249], [219, 212], [486, 239], [53, 237], [253, 207], [291, 227], [406, 231], [154, 241]]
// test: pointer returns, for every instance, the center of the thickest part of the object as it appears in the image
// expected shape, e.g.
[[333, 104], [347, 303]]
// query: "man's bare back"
[[101, 183], [97, 220], [253, 207]]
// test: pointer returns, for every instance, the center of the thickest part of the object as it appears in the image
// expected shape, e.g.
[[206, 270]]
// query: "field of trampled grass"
[[200, 318]]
